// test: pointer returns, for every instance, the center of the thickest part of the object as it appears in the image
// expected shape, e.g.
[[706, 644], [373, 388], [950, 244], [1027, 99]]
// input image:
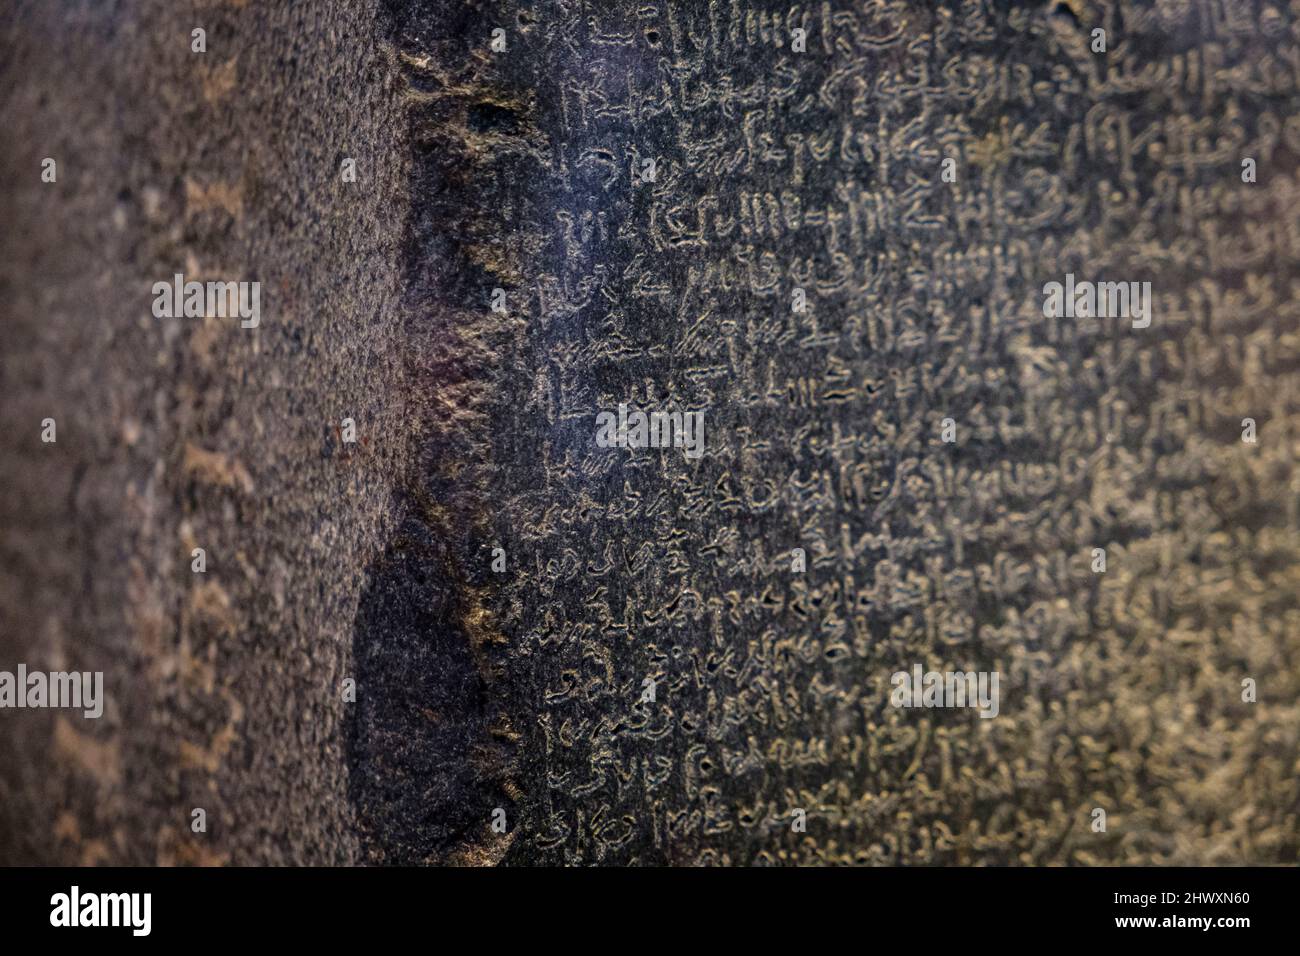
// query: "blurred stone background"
[[223, 688]]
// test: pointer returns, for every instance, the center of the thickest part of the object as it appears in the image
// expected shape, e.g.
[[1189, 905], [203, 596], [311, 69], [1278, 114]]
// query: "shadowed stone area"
[[426, 770]]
